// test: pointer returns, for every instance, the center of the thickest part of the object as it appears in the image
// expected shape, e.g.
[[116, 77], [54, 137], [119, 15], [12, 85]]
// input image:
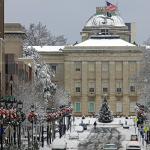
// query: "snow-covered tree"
[[105, 115], [143, 79], [38, 35]]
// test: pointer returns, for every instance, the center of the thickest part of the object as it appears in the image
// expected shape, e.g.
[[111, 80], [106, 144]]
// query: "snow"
[[59, 143], [103, 20], [104, 42], [73, 143], [48, 48]]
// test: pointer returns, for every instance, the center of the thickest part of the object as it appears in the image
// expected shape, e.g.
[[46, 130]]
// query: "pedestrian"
[[95, 125]]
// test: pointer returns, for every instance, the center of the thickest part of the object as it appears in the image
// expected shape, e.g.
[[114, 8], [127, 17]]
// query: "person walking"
[[95, 125]]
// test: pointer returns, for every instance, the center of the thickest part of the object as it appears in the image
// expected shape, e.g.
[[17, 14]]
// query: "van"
[[133, 145]]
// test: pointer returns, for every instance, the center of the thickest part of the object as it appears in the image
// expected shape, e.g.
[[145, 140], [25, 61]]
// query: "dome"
[[103, 20]]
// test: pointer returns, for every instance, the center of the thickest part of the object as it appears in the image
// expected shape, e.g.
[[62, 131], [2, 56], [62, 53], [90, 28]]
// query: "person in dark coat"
[[95, 125]]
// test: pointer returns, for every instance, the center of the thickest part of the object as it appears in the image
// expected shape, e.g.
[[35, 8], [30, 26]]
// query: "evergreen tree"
[[105, 115]]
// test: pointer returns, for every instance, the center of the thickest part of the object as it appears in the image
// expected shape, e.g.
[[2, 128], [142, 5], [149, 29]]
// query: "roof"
[[104, 42], [48, 48], [103, 20]]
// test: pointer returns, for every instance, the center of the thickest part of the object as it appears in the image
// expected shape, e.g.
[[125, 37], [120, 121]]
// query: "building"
[[103, 64], [13, 68]]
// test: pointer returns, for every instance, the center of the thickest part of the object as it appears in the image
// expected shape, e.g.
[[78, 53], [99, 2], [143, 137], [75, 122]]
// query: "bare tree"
[[38, 35]]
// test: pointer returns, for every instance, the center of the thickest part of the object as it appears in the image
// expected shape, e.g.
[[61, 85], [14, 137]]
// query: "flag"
[[110, 7]]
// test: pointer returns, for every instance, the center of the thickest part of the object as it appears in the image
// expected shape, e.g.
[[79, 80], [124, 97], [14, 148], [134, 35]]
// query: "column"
[[84, 89], [98, 100], [67, 76], [126, 102], [112, 86]]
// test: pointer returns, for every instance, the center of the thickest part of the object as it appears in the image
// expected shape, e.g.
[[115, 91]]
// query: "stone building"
[[11, 67], [94, 68], [103, 64]]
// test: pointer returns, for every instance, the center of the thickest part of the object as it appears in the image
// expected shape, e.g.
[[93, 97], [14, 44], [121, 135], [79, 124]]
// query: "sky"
[[68, 17]]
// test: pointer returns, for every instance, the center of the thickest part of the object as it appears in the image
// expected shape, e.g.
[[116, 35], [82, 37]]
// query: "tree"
[[142, 79], [38, 35], [105, 115]]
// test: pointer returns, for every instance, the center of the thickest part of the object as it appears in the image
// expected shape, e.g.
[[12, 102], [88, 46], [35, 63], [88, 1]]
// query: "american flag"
[[111, 7]]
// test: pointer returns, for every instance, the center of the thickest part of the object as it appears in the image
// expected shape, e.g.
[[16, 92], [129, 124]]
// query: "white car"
[[133, 145]]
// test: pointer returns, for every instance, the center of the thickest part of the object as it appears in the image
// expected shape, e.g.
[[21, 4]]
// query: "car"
[[84, 126], [133, 145], [78, 128], [125, 126], [110, 147]]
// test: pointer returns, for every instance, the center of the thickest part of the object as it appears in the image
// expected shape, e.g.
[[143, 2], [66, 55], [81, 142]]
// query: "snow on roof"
[[104, 42], [48, 48]]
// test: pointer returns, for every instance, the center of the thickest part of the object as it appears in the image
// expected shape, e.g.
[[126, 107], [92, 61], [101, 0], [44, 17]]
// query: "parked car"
[[133, 145], [84, 126], [125, 126], [110, 147], [79, 128]]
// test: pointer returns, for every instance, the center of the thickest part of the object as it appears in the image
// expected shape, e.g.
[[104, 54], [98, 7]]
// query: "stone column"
[[126, 102], [67, 76], [84, 89], [98, 101], [112, 99]]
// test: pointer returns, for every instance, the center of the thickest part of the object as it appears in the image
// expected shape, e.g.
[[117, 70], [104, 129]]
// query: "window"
[[105, 66], [105, 86], [77, 86], [118, 66], [91, 66], [77, 89], [91, 107], [132, 88], [91, 85], [105, 90], [119, 106], [132, 106], [91, 90], [119, 90], [118, 86], [54, 68], [10, 64], [77, 107], [77, 66]]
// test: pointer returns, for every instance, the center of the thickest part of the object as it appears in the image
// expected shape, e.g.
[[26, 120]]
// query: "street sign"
[[8, 97]]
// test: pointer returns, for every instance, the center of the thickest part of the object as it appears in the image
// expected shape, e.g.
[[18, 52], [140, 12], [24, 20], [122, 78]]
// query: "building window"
[[91, 86], [132, 88], [77, 66], [91, 66], [119, 106], [119, 90], [118, 86], [91, 107], [77, 107], [105, 90], [77, 89], [54, 68], [77, 86], [91, 90], [105, 66], [118, 66], [132, 106], [105, 86]]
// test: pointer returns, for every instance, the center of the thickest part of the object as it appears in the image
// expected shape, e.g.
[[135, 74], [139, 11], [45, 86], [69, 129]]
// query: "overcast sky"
[[69, 16]]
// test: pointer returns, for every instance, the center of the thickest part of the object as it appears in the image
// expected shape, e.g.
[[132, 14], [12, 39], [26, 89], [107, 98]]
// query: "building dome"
[[103, 20]]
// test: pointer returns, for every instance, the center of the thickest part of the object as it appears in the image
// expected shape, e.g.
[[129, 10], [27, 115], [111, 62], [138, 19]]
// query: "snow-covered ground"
[[75, 136]]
